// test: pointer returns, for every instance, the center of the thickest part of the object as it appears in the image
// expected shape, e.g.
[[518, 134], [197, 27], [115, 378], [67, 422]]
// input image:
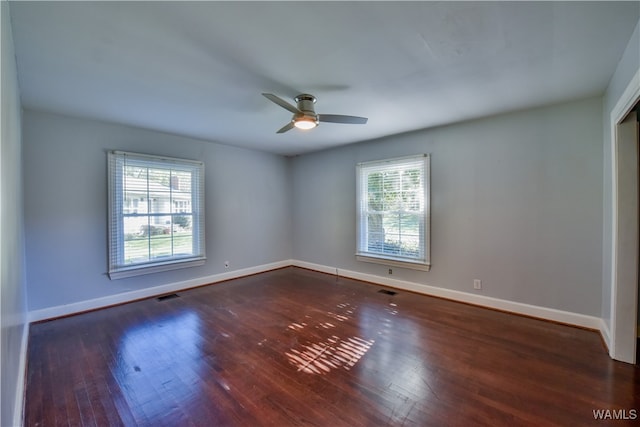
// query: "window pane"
[[181, 192], [391, 181], [374, 182], [410, 224], [410, 246], [159, 178], [160, 246], [182, 223], [182, 243], [391, 201], [375, 201], [160, 237], [375, 242], [134, 203], [136, 249], [391, 224], [136, 242], [159, 202], [392, 244], [181, 205], [411, 179], [375, 223], [411, 201], [182, 235], [181, 181], [135, 179]]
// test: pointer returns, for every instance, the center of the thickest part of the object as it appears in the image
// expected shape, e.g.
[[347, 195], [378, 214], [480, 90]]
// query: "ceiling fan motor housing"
[[305, 103]]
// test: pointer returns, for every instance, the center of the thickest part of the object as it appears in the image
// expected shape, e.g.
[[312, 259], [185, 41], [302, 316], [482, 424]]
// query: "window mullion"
[[171, 209], [149, 232]]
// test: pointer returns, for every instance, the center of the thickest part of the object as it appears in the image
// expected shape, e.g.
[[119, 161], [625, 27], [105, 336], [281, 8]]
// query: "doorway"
[[626, 224]]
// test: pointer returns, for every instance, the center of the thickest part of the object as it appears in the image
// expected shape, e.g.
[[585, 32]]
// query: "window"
[[393, 212], [156, 214]]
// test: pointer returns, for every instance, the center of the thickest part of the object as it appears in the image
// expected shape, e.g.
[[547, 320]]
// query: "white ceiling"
[[199, 68]]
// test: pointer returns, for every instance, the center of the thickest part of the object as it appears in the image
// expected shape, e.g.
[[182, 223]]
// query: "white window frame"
[[363, 253], [118, 268]]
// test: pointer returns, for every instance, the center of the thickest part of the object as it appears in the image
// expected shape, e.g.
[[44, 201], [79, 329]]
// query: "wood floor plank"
[[301, 348]]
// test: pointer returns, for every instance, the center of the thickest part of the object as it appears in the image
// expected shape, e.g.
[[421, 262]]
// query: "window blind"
[[156, 213], [393, 210]]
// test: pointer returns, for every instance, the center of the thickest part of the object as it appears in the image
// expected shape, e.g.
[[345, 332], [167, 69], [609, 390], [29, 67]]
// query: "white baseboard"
[[96, 303], [605, 332], [575, 319], [18, 409]]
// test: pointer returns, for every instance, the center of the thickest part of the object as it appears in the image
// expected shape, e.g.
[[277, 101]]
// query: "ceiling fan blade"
[[286, 127], [337, 118], [281, 102]]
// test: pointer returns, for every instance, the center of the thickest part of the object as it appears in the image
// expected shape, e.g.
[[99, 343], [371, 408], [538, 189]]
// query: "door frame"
[[622, 291]]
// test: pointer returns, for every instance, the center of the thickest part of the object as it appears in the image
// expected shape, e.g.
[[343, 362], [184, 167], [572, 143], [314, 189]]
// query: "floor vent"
[[166, 297], [386, 292]]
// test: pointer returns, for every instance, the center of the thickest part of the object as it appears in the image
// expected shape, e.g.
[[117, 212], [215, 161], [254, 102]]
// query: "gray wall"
[[516, 202], [248, 211], [12, 279], [626, 69]]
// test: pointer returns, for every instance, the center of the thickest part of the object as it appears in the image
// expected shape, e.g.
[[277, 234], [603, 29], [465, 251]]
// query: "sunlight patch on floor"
[[329, 353], [333, 353]]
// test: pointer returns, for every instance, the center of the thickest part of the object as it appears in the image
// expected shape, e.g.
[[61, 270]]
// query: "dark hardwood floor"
[[294, 347]]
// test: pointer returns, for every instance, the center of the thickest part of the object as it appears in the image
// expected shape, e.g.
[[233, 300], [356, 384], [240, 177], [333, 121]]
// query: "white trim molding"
[[18, 409], [394, 263], [627, 100], [618, 345], [605, 332], [544, 313], [125, 297]]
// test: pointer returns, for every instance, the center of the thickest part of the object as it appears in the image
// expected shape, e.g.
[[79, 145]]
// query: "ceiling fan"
[[305, 117]]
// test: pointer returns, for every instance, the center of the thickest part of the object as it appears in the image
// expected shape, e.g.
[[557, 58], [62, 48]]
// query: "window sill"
[[154, 268], [394, 262]]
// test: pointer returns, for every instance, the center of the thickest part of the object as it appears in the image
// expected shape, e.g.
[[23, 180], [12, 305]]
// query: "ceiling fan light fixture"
[[305, 123], [304, 115]]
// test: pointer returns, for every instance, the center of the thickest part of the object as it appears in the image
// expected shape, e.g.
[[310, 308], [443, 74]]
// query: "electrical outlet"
[[477, 284], [226, 264], [390, 271]]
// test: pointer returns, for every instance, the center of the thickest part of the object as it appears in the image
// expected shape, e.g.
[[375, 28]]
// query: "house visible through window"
[[156, 210], [393, 212]]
